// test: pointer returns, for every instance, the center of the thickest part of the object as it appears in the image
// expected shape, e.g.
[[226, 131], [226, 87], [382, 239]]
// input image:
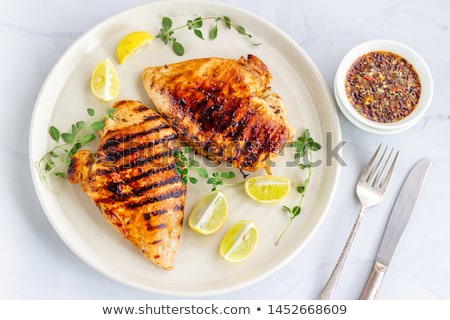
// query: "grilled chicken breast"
[[132, 180], [223, 108]]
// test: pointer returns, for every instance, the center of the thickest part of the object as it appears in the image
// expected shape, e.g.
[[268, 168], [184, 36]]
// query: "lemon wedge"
[[105, 81], [131, 43], [267, 189], [209, 213], [240, 241]]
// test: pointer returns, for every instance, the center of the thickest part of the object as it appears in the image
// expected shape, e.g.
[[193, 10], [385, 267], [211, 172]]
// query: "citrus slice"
[[209, 213], [240, 241], [267, 189], [105, 81], [131, 43]]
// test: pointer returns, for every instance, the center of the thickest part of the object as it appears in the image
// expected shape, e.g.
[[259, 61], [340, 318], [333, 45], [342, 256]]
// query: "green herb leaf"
[[202, 172], [178, 48], [74, 149], [166, 23], [227, 21], [228, 175], [80, 124], [197, 23], [306, 134], [314, 146], [87, 138], [68, 137], [61, 174], [241, 30], [91, 112], [296, 211], [110, 112], [54, 133], [287, 209], [213, 33], [199, 34], [193, 180], [97, 126]]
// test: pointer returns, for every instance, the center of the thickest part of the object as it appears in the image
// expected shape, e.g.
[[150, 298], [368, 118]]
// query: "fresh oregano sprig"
[[185, 166], [58, 159], [166, 33], [304, 146]]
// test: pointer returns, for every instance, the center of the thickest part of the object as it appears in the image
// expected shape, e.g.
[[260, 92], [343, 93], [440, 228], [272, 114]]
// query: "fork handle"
[[328, 290]]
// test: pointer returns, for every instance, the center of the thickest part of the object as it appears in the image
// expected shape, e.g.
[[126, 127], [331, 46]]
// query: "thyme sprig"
[[56, 161], [186, 165], [166, 33], [304, 145]]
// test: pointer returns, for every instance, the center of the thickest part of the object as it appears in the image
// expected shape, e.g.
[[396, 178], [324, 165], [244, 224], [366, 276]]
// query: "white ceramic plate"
[[199, 270]]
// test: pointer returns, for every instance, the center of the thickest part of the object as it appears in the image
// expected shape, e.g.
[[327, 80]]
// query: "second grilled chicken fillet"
[[223, 108], [133, 181]]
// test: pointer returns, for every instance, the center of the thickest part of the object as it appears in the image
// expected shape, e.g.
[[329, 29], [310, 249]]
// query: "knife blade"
[[400, 215]]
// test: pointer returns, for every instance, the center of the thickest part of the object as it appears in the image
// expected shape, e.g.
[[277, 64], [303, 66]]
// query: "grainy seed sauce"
[[383, 86]]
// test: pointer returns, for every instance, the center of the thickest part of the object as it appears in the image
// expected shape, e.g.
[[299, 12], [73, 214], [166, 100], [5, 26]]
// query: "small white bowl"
[[413, 58]]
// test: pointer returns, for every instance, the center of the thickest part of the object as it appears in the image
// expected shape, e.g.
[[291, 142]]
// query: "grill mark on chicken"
[[114, 168], [117, 190], [168, 195], [158, 226], [157, 184], [145, 171], [116, 140], [148, 215], [153, 117], [114, 155], [133, 180], [113, 185], [141, 161]]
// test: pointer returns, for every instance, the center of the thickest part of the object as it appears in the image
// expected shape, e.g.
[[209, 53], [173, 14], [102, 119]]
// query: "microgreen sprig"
[[185, 166], [58, 159], [304, 146], [166, 33]]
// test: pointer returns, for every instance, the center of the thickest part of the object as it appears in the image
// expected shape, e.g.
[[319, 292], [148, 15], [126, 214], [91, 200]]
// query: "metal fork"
[[370, 189]]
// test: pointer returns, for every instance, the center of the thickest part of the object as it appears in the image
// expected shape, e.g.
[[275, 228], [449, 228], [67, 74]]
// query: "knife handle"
[[373, 284]]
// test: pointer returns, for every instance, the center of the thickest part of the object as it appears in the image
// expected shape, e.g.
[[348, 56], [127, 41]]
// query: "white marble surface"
[[36, 264]]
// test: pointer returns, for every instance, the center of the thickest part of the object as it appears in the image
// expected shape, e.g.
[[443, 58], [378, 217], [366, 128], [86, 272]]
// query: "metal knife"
[[400, 215]]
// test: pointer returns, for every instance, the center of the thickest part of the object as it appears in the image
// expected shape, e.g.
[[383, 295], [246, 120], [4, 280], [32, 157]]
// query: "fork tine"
[[380, 173], [367, 169], [386, 180], [371, 178]]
